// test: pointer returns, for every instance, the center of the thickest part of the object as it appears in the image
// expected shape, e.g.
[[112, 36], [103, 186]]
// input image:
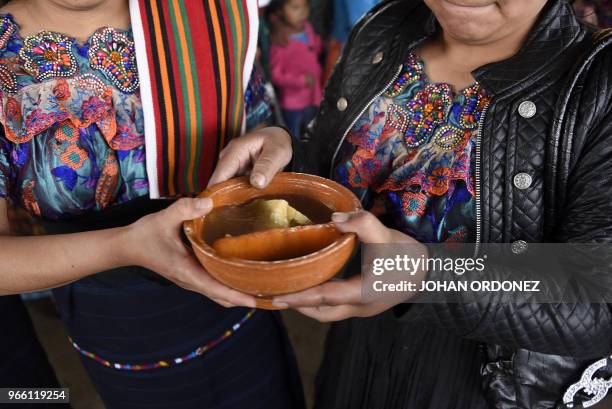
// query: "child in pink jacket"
[[294, 63]]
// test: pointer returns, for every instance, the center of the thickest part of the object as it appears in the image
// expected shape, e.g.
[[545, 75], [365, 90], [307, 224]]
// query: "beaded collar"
[[47, 55], [426, 112], [416, 139]]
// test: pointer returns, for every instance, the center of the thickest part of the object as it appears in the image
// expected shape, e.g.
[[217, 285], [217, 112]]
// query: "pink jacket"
[[288, 65]]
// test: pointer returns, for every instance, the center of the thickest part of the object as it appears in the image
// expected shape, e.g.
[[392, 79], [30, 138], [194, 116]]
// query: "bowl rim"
[[343, 240]]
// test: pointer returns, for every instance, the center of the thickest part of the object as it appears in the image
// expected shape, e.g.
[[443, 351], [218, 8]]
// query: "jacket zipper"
[[477, 181], [374, 98]]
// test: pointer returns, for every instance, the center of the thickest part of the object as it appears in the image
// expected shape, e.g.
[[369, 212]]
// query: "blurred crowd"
[[301, 40], [595, 12]]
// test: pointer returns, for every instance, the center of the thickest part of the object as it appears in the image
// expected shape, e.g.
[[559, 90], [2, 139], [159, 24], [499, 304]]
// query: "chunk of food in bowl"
[[275, 214]]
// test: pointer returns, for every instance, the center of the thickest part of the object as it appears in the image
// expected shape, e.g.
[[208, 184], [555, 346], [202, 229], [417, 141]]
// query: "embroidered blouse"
[[411, 156], [72, 119]]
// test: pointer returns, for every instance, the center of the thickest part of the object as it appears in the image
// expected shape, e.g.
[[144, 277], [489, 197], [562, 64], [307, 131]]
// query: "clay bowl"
[[266, 279]]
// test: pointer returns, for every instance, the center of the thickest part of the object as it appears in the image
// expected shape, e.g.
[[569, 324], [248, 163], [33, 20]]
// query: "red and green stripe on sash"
[[194, 60]]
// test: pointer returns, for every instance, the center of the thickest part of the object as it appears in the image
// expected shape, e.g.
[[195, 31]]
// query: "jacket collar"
[[555, 31]]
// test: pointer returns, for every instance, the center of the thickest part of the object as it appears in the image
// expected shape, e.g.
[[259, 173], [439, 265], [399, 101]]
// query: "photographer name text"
[[457, 286]]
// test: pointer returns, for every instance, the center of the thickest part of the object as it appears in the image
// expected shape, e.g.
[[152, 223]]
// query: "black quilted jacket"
[[564, 70]]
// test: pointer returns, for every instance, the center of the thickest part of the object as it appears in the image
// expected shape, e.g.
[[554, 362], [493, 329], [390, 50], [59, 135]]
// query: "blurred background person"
[[604, 13], [294, 62], [586, 11], [321, 13], [346, 13]]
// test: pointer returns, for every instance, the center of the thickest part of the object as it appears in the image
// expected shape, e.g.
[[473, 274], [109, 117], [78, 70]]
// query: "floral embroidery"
[[67, 175], [73, 157], [39, 118], [8, 79], [427, 111], [61, 90], [365, 168], [125, 139], [113, 53], [414, 203], [36, 121], [439, 181], [66, 132], [28, 199], [94, 109], [13, 109], [413, 149], [7, 29], [107, 184], [47, 55], [458, 235]]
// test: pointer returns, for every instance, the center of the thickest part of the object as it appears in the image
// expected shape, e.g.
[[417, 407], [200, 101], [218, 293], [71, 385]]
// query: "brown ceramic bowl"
[[266, 279]]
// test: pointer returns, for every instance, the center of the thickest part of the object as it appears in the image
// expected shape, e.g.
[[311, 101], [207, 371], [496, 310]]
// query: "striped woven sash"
[[194, 60]]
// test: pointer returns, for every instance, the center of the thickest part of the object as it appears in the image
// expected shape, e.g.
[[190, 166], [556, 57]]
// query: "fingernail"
[[280, 304], [340, 217], [202, 204], [258, 180]]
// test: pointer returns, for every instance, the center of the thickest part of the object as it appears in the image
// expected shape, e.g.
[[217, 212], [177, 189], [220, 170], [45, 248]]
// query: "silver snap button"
[[342, 104], [519, 247], [523, 180], [378, 57], [527, 109]]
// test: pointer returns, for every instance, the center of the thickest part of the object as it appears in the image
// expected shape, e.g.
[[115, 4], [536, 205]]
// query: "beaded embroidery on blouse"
[[413, 146], [114, 54], [77, 105]]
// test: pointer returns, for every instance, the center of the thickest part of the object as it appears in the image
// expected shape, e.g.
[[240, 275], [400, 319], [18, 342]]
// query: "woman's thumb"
[[364, 224], [187, 209]]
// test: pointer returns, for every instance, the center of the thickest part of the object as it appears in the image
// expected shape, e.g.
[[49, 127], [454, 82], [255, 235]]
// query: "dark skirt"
[[133, 316], [23, 362], [381, 363]]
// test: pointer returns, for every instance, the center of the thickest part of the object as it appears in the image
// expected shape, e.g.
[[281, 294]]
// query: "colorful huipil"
[[73, 122], [411, 156]]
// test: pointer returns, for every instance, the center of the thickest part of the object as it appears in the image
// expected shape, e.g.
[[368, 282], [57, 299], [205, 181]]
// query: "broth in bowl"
[[270, 228]]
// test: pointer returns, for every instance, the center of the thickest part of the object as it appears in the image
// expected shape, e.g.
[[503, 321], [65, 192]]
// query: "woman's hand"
[[342, 299], [262, 153], [155, 243]]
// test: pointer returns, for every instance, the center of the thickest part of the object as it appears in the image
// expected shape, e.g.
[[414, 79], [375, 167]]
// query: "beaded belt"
[[168, 362]]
